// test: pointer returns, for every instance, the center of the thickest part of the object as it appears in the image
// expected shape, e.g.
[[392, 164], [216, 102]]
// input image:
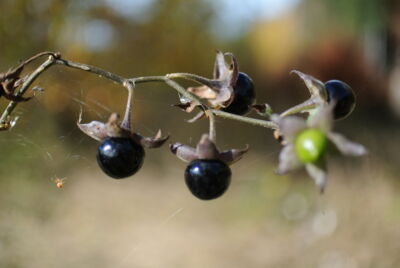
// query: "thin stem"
[[183, 91], [50, 53], [146, 79], [307, 105], [191, 77], [92, 69], [126, 122], [31, 78], [27, 61], [244, 119], [129, 84], [212, 132]]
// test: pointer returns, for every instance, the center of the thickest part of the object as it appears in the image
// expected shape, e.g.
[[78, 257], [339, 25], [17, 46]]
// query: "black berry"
[[207, 179], [120, 157], [244, 96], [344, 97]]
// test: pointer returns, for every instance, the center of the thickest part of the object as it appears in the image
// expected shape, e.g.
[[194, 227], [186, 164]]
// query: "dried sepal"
[[289, 126], [233, 155], [218, 91], [100, 131], [220, 68], [206, 149], [315, 86], [322, 118], [183, 152], [345, 146], [150, 142], [288, 159], [227, 77], [9, 81], [94, 129], [318, 173], [114, 127], [203, 92]]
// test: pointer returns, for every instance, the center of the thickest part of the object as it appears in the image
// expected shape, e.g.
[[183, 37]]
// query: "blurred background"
[[151, 219]]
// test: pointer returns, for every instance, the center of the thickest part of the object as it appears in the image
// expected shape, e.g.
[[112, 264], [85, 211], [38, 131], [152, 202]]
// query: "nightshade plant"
[[228, 94]]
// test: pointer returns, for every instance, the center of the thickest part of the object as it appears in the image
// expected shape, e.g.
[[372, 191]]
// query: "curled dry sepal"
[[208, 174], [120, 153], [206, 149], [305, 143], [218, 90], [9, 81], [323, 93], [112, 129]]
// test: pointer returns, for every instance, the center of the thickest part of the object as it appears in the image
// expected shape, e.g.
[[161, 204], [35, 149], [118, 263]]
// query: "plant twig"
[[244, 119], [307, 105], [190, 77], [31, 78], [212, 132], [92, 69], [126, 122], [129, 83], [183, 92]]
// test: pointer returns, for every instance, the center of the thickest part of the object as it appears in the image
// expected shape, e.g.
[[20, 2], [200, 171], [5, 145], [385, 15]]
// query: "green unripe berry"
[[310, 145]]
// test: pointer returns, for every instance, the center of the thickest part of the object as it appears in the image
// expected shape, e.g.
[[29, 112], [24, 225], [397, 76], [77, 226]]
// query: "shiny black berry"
[[244, 95], [120, 157], [207, 178], [344, 97]]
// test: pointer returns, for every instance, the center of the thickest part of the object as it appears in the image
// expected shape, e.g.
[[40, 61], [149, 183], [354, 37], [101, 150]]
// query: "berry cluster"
[[208, 175], [229, 94]]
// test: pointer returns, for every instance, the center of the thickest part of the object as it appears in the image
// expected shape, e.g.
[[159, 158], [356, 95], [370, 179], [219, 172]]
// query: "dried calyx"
[[121, 152], [208, 174], [325, 93], [11, 80], [206, 149], [218, 91], [112, 129]]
